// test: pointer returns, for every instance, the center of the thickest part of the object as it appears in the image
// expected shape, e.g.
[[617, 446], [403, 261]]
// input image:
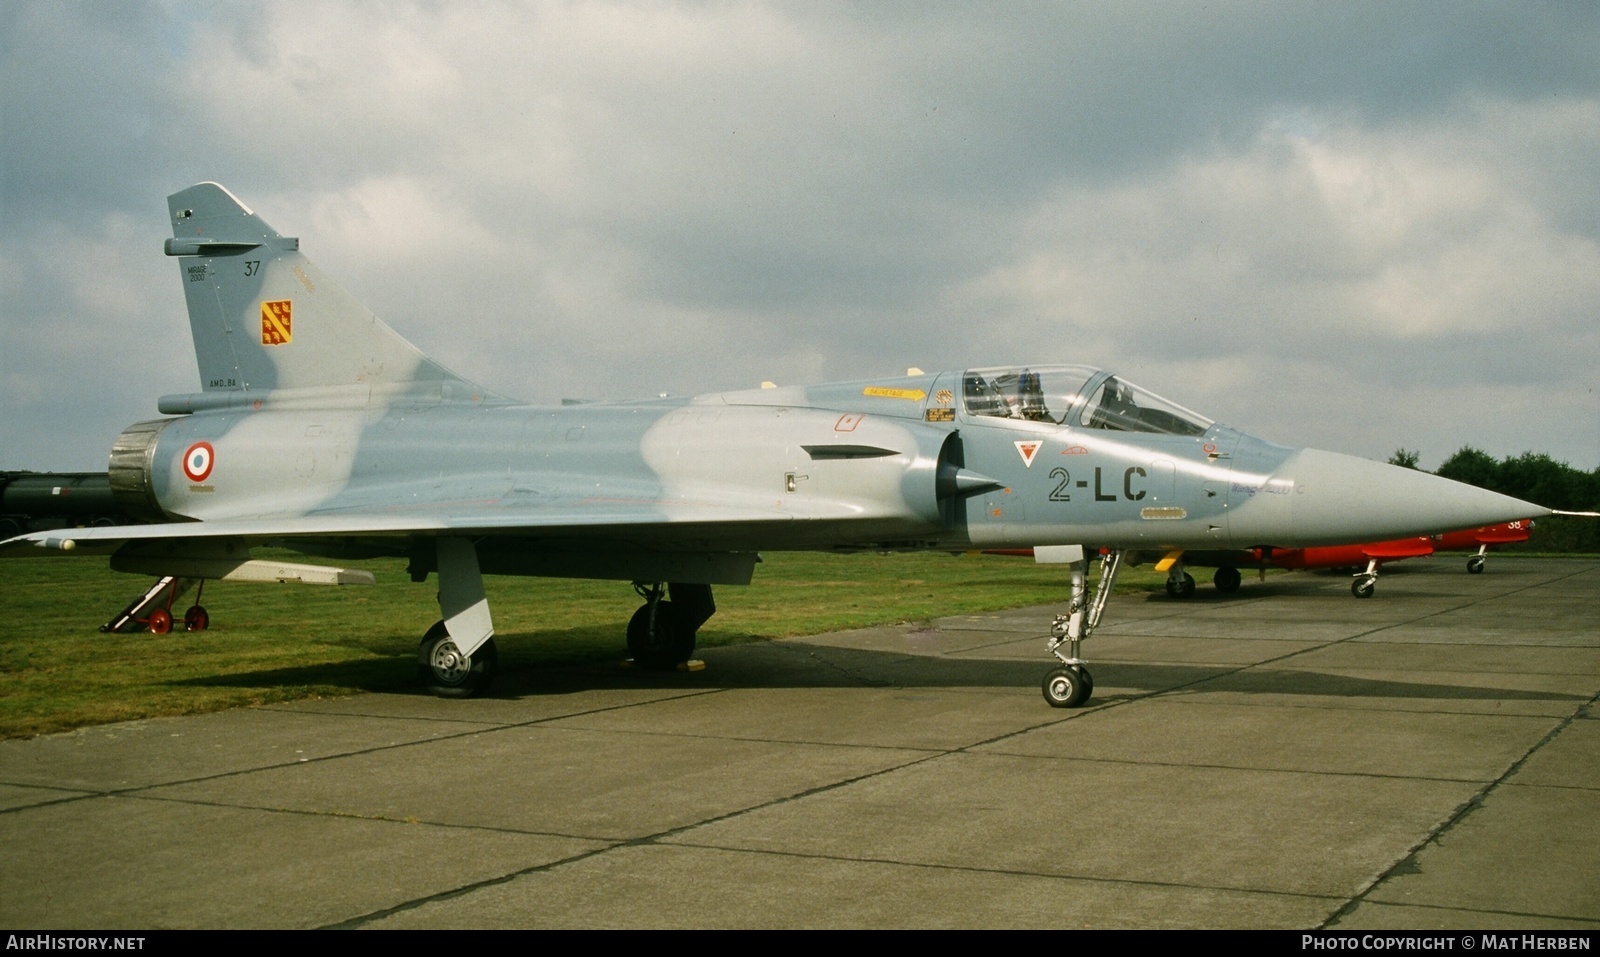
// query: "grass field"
[[272, 643]]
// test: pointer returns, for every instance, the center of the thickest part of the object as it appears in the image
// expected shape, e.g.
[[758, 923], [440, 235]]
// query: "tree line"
[[1532, 477]]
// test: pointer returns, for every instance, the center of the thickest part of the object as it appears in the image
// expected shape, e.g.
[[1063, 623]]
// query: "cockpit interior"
[[1077, 397]]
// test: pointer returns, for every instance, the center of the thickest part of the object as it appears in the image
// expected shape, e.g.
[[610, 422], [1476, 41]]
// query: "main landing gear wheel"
[[664, 646], [1227, 579], [160, 622], [1363, 587], [1475, 565], [1068, 687], [1183, 588], [196, 619], [450, 674]]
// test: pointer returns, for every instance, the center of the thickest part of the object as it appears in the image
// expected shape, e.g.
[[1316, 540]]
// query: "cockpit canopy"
[[1075, 396]]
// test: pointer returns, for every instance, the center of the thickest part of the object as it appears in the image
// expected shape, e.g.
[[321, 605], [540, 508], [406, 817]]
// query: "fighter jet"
[[318, 427], [1366, 558]]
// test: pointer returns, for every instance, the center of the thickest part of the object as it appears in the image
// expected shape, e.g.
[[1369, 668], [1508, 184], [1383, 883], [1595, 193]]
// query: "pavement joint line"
[[749, 739], [78, 795], [1450, 644], [1409, 859], [852, 675], [362, 920], [288, 708], [642, 841], [1353, 637], [1580, 788], [660, 836], [373, 818], [493, 728], [1489, 911], [1315, 706], [1005, 871], [1312, 772]]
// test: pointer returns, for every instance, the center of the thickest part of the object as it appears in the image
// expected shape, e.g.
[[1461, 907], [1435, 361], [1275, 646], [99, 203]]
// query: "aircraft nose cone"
[[1335, 499]]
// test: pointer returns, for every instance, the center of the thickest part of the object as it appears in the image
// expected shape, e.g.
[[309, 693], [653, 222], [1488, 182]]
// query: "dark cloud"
[[1278, 214]]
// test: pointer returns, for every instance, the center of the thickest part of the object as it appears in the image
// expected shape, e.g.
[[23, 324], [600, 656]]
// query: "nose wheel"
[[1068, 687], [1366, 582]]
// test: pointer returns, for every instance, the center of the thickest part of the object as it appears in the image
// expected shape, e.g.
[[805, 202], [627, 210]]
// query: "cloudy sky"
[[1359, 226]]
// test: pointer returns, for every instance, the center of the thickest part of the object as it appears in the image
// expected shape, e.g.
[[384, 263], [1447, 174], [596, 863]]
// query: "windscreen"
[[1120, 406], [1079, 396]]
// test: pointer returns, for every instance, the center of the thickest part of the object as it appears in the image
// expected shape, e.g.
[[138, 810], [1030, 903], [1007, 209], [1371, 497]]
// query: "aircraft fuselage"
[[900, 463]]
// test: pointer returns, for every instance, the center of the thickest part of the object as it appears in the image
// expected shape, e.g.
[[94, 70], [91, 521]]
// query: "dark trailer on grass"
[[37, 501]]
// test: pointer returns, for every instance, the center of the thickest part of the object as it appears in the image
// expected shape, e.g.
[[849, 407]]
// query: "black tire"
[[1363, 587], [1067, 687], [1475, 565], [1227, 579], [667, 645], [448, 673], [1183, 588]]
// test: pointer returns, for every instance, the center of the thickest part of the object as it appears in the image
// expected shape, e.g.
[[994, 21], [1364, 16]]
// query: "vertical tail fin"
[[263, 317]]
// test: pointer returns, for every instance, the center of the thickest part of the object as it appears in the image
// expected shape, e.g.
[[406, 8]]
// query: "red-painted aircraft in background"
[[1367, 557]]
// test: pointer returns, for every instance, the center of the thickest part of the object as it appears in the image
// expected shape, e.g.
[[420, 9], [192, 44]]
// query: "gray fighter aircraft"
[[319, 427]]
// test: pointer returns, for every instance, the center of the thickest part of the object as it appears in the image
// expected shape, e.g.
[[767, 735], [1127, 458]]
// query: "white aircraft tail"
[[264, 318]]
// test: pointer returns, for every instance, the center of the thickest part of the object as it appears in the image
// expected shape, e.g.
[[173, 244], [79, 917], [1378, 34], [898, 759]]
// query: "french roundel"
[[198, 460]]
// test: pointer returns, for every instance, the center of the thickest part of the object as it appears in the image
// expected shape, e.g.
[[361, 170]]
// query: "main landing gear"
[[1475, 563], [450, 674], [661, 634], [1180, 584], [1070, 685], [457, 657]]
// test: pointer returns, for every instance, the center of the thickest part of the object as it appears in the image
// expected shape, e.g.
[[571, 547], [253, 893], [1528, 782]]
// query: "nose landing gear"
[[1070, 685], [1366, 581]]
